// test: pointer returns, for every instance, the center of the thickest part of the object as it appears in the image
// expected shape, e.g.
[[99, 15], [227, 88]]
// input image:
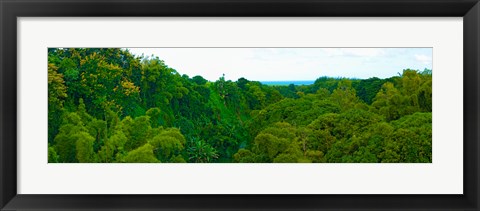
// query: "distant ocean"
[[286, 83]]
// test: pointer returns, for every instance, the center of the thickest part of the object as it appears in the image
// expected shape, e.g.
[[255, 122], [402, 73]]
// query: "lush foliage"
[[107, 105]]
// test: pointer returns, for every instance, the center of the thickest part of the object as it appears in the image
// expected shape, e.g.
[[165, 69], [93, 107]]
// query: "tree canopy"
[[107, 105]]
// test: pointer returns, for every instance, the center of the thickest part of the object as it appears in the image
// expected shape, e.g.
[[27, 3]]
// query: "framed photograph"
[[281, 105]]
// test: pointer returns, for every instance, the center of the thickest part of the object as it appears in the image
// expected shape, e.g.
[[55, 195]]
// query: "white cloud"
[[355, 52], [423, 59], [284, 64]]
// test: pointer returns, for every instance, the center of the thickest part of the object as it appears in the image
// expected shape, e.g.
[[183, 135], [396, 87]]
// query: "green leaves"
[[143, 154], [201, 152], [112, 147], [84, 148], [137, 131], [66, 141], [52, 155], [57, 93], [107, 105], [169, 143]]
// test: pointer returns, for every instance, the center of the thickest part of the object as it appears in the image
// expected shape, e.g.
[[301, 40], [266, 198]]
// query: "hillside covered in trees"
[[110, 106]]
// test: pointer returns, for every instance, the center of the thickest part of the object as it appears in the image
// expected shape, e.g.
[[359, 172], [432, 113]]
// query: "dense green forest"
[[110, 106]]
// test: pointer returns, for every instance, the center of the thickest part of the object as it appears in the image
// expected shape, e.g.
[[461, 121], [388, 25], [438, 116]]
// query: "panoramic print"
[[239, 105]]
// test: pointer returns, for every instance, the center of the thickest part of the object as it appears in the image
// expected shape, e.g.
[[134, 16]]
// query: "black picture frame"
[[11, 9]]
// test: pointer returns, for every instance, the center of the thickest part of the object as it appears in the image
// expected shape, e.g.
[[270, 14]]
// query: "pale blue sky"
[[288, 64]]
